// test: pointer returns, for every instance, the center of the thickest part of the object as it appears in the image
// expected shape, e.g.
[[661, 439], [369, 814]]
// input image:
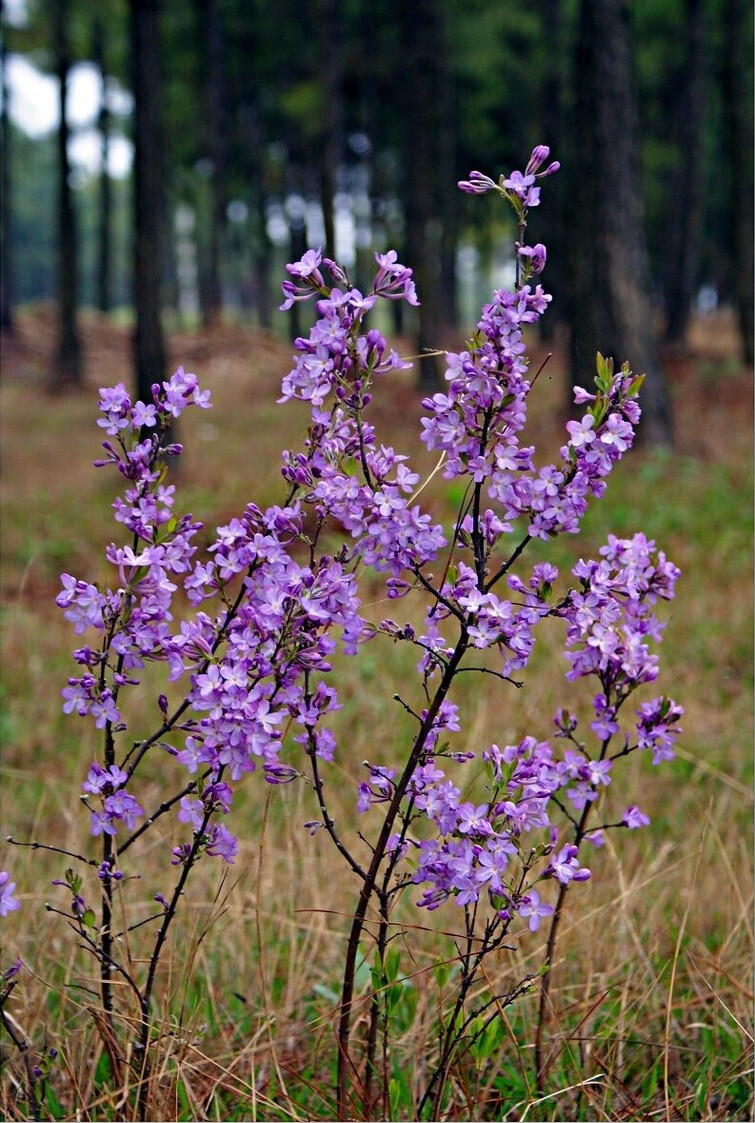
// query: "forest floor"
[[711, 388], [654, 986]]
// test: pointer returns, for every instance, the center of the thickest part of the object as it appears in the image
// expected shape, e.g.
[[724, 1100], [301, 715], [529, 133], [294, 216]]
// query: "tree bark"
[[611, 311], [551, 220], [685, 202], [424, 51], [6, 271], [739, 145], [298, 247], [67, 367], [104, 243], [447, 206], [217, 138], [261, 263], [331, 148], [149, 347]]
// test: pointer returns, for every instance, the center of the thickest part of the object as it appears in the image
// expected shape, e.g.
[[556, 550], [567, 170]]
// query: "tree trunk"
[[738, 127], [685, 202], [551, 221], [298, 247], [67, 365], [6, 272], [217, 137], [104, 243], [261, 263], [423, 47], [149, 347], [611, 311], [331, 148], [447, 205]]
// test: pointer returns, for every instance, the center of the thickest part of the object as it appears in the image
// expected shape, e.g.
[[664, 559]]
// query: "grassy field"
[[652, 988]]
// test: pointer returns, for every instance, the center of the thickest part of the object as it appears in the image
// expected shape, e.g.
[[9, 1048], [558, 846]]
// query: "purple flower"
[[581, 432], [274, 612], [84, 603], [657, 729], [473, 820], [192, 811], [8, 902], [143, 416], [222, 844], [108, 870], [180, 854], [540, 154], [181, 390], [218, 797], [519, 183], [121, 807], [477, 184], [634, 818], [308, 266], [311, 279], [565, 866], [536, 255], [532, 908], [581, 397], [393, 282], [98, 778], [115, 404]]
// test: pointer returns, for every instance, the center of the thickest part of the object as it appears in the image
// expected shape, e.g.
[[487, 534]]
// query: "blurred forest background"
[[224, 137]]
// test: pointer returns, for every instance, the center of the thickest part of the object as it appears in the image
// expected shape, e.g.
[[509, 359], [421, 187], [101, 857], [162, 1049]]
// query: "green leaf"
[[377, 977], [54, 1106], [103, 1072], [636, 385], [392, 964]]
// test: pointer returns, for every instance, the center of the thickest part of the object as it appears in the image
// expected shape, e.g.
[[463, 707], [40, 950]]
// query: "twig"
[[22, 1045]]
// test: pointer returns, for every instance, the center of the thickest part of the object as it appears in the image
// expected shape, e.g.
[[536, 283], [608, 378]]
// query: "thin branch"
[[54, 849], [22, 1045], [327, 820]]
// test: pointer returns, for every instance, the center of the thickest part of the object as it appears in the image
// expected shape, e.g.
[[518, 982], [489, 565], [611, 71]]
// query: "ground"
[[654, 976]]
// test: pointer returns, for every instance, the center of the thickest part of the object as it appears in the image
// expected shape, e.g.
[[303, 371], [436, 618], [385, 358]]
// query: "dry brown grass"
[[653, 981]]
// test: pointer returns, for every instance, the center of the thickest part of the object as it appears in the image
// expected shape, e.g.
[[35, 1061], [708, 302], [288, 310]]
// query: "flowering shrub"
[[254, 659]]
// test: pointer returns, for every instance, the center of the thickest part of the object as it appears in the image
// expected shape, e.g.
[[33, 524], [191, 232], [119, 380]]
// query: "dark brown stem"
[[142, 1046], [327, 820], [368, 887], [164, 806], [508, 564], [22, 1045], [470, 962], [545, 986], [53, 849], [541, 1065], [106, 971], [375, 1010]]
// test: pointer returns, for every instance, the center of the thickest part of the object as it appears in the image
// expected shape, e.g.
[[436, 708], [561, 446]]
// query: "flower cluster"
[[334, 373], [479, 848], [518, 187], [476, 425], [610, 622], [477, 422], [270, 607], [254, 667]]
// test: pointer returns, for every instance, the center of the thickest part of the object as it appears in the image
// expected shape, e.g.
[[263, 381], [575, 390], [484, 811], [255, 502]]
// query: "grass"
[[652, 999]]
